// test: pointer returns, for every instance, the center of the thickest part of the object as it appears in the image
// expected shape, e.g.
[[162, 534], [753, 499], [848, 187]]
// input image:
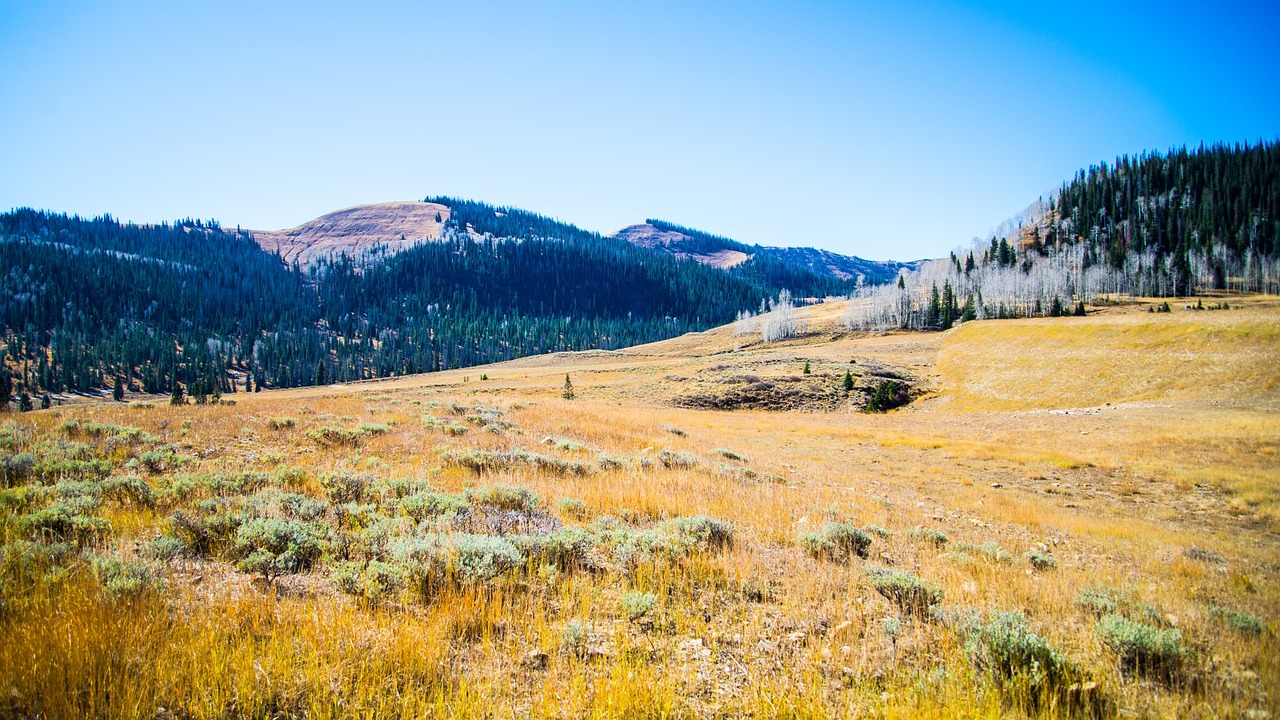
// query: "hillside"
[[804, 270], [1025, 539], [355, 230]]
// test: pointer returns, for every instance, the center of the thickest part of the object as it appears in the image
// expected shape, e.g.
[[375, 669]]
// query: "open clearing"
[[1123, 465]]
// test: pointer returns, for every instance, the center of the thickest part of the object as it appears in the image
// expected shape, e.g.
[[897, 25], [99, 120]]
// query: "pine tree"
[[568, 388], [179, 396], [320, 375], [6, 389], [807, 371], [1080, 309], [24, 402], [848, 381], [117, 393], [46, 402]]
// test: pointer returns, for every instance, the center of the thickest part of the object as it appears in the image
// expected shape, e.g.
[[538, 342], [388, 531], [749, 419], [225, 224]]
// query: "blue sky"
[[895, 130]]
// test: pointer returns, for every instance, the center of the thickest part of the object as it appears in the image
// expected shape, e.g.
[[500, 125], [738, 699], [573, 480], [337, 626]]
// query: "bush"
[[503, 497], [836, 542], [126, 578], [166, 548], [302, 507], [1041, 561], [731, 455], [128, 489], [343, 487], [572, 508], [281, 423], [638, 604], [673, 430], [573, 636], [912, 595], [272, 548], [331, 436], [610, 462], [1006, 648], [374, 581], [372, 429], [433, 561], [928, 535], [17, 469], [63, 521], [1099, 600], [568, 547], [431, 505], [677, 460], [701, 533], [1142, 648]]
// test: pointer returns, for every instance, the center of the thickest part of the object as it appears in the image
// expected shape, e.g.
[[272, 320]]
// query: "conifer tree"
[[117, 393], [848, 381], [178, 396], [568, 393], [6, 389]]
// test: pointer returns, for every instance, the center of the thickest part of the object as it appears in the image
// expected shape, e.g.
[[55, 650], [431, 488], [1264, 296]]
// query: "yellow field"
[[1136, 454]]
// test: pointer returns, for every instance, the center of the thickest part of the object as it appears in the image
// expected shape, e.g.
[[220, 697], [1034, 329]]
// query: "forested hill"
[[86, 301], [1158, 225]]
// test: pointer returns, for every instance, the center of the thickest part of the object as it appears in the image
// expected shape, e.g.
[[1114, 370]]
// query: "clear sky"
[[888, 130]]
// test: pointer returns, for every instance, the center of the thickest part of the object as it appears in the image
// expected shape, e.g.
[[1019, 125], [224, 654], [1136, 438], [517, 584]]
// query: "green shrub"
[[166, 548], [572, 508], [638, 604], [126, 578], [673, 430], [836, 542], [128, 489], [63, 521], [345, 487], [912, 595], [1100, 600], [677, 460], [1244, 622], [372, 429], [296, 506], [503, 497], [568, 547], [17, 469], [928, 535], [879, 531], [730, 454], [479, 461], [1005, 647], [610, 462], [281, 423], [331, 436], [990, 550], [272, 548], [433, 561], [432, 505], [701, 533], [573, 636], [1141, 648], [374, 581], [1041, 561]]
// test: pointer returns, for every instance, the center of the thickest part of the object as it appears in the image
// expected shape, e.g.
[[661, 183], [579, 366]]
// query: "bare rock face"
[[356, 230]]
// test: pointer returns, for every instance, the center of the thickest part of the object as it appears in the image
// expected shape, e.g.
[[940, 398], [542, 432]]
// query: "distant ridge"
[[727, 254]]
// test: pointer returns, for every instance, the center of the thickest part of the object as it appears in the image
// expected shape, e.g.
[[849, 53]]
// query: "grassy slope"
[[1117, 494]]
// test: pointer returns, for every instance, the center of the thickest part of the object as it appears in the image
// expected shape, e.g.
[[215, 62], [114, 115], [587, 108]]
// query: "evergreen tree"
[[24, 402], [178, 396], [806, 368], [117, 393], [6, 388], [46, 401], [848, 381], [568, 393]]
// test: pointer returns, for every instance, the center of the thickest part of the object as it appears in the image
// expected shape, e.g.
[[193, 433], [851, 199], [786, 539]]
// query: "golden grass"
[[1118, 495]]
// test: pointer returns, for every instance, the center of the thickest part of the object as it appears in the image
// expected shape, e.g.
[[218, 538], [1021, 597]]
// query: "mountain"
[[356, 230], [760, 262]]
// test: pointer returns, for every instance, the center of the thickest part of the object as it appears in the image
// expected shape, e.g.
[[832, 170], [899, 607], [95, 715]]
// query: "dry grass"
[[1167, 496]]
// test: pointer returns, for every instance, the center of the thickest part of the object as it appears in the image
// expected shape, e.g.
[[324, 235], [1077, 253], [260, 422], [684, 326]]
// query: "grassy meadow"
[[1075, 517]]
